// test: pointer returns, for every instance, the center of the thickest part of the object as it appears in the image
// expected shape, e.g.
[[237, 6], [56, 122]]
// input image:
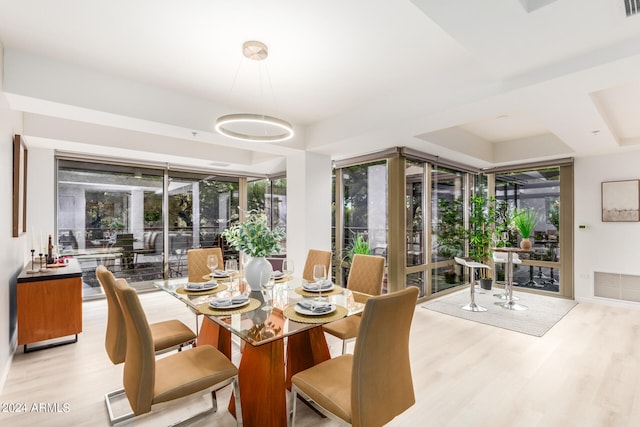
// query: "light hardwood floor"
[[584, 372]]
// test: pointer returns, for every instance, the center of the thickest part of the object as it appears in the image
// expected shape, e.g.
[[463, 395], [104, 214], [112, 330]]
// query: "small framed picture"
[[621, 201]]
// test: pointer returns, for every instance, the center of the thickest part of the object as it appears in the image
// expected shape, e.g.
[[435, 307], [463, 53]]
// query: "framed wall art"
[[621, 201], [19, 186]]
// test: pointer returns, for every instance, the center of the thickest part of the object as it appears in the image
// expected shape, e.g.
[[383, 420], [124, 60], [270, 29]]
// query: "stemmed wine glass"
[[287, 269], [212, 263], [319, 276], [267, 286], [231, 268]]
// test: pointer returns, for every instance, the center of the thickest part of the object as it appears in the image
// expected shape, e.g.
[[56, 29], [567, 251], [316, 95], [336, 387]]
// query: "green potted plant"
[[525, 221], [479, 234], [256, 239]]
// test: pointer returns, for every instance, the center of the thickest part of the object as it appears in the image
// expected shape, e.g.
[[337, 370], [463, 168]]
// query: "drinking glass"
[[212, 263], [287, 269], [267, 287], [319, 276], [231, 268]]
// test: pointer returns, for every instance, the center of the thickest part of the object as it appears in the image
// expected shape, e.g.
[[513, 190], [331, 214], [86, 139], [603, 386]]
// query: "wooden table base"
[[263, 381]]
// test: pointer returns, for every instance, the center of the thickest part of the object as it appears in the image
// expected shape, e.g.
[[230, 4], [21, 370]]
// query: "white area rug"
[[543, 311]]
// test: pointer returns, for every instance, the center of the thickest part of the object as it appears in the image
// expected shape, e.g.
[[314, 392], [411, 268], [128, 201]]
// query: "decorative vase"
[[257, 272], [525, 243]]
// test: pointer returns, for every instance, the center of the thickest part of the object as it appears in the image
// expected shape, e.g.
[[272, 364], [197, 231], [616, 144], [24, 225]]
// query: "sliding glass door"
[[110, 215]]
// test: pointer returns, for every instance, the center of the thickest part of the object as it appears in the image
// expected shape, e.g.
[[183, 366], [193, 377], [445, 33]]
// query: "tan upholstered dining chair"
[[374, 385], [365, 280], [167, 335], [148, 381], [314, 257], [197, 263]]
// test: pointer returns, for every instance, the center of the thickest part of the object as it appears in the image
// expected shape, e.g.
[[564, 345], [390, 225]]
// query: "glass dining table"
[[265, 370]]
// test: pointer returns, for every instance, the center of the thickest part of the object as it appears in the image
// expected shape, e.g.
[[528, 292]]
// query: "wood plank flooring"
[[584, 372]]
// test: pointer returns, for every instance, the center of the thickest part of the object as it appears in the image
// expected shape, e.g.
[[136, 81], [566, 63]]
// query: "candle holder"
[[33, 268], [43, 267]]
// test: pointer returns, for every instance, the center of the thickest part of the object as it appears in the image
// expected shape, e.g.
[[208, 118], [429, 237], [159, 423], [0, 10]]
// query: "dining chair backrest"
[[115, 337], [197, 263], [381, 383], [314, 257], [366, 274], [140, 361]]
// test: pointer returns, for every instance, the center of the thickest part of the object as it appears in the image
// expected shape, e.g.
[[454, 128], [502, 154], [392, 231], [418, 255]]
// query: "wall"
[[41, 198], [11, 257], [609, 247], [308, 205]]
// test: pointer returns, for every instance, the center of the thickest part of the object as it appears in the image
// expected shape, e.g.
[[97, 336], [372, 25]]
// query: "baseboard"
[[13, 343]]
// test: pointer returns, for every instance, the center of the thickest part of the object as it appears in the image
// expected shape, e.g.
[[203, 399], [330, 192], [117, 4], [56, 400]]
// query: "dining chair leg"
[[294, 395], [214, 401], [236, 396]]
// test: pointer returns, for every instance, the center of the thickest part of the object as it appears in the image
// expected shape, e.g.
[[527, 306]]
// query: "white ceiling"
[[481, 82]]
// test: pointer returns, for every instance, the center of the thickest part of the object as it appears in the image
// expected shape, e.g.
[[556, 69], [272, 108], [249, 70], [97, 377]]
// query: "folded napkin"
[[226, 302], [316, 307], [277, 274], [324, 286], [201, 285], [219, 273]]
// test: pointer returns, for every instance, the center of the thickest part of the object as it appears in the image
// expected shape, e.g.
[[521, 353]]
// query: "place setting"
[[201, 288], [229, 304], [309, 310], [318, 289]]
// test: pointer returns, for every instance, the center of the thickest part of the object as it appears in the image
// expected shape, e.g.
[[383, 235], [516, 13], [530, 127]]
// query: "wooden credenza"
[[49, 305]]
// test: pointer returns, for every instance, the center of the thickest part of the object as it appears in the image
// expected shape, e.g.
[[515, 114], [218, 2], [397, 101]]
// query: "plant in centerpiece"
[[256, 239], [525, 221]]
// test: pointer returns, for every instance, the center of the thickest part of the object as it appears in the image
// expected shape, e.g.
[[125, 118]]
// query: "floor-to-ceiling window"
[[538, 190], [447, 207], [124, 216], [201, 207], [270, 196], [110, 215], [363, 213]]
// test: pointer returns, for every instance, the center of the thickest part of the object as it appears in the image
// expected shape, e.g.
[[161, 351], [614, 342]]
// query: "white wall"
[[11, 256], [41, 197], [308, 205], [610, 247]]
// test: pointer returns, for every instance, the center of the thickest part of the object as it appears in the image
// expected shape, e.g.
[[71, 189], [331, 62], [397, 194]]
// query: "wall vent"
[[631, 7], [618, 286]]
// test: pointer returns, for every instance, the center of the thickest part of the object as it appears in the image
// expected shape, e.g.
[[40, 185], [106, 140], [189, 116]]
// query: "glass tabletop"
[[259, 326]]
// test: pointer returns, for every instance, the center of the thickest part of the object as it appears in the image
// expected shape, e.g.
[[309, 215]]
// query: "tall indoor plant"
[[481, 219], [256, 239], [525, 221]]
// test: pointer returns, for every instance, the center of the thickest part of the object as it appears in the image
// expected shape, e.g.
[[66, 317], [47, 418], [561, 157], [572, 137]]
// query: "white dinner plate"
[[306, 287], [230, 306], [301, 310], [220, 273], [201, 287]]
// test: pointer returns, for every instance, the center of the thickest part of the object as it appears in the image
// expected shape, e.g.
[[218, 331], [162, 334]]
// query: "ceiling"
[[483, 83]]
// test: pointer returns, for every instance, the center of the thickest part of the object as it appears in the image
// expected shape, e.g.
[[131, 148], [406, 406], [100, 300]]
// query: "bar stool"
[[472, 306], [502, 258]]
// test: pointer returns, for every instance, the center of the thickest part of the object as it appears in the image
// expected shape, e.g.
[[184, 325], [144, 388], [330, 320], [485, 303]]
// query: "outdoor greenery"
[[360, 246], [254, 237], [554, 214], [450, 228]]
